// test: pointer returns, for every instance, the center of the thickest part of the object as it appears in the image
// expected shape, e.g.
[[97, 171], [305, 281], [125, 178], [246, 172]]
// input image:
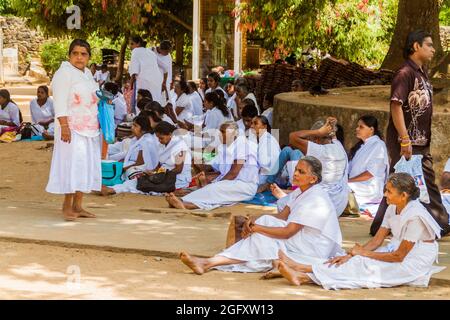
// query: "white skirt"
[[362, 272], [222, 193], [76, 166]]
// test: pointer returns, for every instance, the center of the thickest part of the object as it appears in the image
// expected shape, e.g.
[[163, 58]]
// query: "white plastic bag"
[[413, 166]]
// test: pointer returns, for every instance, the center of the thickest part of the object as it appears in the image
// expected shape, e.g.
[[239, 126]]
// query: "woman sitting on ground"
[[43, 113], [143, 93], [407, 259], [236, 162], [183, 105], [213, 82], [10, 117], [268, 106], [306, 230], [156, 107], [268, 147], [247, 111], [196, 99], [321, 143], [141, 155], [368, 165]]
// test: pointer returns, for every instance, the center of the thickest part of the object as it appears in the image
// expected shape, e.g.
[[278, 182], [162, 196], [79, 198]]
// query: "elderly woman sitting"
[[307, 230], [407, 260]]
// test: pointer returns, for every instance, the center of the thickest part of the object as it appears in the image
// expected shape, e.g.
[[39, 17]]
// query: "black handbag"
[[158, 182]]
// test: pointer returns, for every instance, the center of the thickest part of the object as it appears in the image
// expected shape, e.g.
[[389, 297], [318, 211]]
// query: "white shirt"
[[100, 76], [197, 103], [168, 156], [214, 119], [268, 153], [42, 113], [241, 149], [145, 65], [184, 101], [120, 108], [165, 66], [232, 106], [10, 113]]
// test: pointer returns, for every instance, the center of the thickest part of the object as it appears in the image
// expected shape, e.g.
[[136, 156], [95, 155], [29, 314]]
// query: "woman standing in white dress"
[[368, 165], [407, 260], [144, 69], [76, 162], [307, 230], [42, 111], [236, 162]]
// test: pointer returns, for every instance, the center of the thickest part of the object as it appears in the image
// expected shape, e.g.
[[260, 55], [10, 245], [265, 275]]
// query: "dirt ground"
[[43, 271]]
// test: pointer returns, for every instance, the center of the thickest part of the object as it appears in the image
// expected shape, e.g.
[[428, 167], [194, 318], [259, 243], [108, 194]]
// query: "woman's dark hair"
[[143, 122], [315, 165], [218, 102], [192, 85], [153, 115], [45, 88], [371, 122], [7, 96], [138, 40], [156, 106], [112, 87], [143, 102], [403, 182], [183, 86], [145, 93], [340, 134], [215, 76], [80, 43], [205, 80], [164, 128], [165, 45], [249, 110], [265, 122], [413, 37], [269, 97], [221, 95]]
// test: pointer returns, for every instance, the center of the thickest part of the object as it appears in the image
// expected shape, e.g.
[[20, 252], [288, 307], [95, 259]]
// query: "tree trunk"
[[123, 50], [179, 49], [413, 15]]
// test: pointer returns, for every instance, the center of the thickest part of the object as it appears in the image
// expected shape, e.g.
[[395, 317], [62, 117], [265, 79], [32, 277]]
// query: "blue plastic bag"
[[413, 167], [106, 116]]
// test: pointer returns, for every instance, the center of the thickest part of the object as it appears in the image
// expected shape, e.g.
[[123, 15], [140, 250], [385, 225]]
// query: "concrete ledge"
[[299, 110]]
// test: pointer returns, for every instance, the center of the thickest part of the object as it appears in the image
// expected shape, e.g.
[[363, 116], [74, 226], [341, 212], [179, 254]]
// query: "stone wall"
[[296, 111], [18, 35]]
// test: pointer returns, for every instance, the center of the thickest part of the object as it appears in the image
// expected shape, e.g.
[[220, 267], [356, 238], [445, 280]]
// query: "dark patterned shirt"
[[411, 87]]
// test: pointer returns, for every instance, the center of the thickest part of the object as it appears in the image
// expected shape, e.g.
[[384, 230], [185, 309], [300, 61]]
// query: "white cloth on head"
[[414, 224], [10, 113], [197, 103], [145, 65], [43, 113], [318, 240], [168, 156], [371, 157], [228, 192], [268, 153], [252, 97], [268, 113], [447, 166], [120, 108]]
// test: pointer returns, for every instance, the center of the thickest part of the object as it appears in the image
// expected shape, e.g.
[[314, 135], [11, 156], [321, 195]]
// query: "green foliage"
[[444, 15], [55, 51], [358, 31], [6, 7]]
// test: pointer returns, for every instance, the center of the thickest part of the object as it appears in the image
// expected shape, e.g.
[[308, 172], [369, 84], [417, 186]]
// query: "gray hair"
[[315, 165], [230, 125], [318, 124], [403, 182], [242, 87]]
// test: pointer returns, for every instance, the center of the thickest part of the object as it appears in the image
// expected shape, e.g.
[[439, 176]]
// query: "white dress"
[[42, 114], [371, 157], [144, 64], [197, 103], [318, 240], [268, 153], [228, 192], [165, 66], [414, 224], [214, 118], [76, 166], [10, 113]]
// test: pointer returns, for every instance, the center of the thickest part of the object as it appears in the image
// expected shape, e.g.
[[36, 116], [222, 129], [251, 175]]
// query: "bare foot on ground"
[[289, 274], [174, 201], [192, 262]]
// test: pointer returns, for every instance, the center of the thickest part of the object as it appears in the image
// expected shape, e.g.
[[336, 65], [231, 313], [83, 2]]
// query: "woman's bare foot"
[[69, 214], [193, 263], [184, 192], [263, 188], [174, 201], [289, 274], [201, 179], [106, 191], [83, 213], [276, 191], [271, 274], [293, 264]]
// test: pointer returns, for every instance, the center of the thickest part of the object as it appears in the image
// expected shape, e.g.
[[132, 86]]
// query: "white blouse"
[[10, 113], [168, 157], [120, 108], [42, 113], [184, 101], [197, 103], [214, 119]]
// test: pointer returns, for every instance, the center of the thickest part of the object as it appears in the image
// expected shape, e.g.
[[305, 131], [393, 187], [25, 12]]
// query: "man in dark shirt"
[[409, 129]]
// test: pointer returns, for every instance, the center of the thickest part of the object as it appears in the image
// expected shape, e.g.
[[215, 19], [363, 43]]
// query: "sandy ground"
[[43, 271]]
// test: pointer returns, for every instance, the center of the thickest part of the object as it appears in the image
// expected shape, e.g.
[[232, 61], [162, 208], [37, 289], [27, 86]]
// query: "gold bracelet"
[[404, 137], [405, 145]]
